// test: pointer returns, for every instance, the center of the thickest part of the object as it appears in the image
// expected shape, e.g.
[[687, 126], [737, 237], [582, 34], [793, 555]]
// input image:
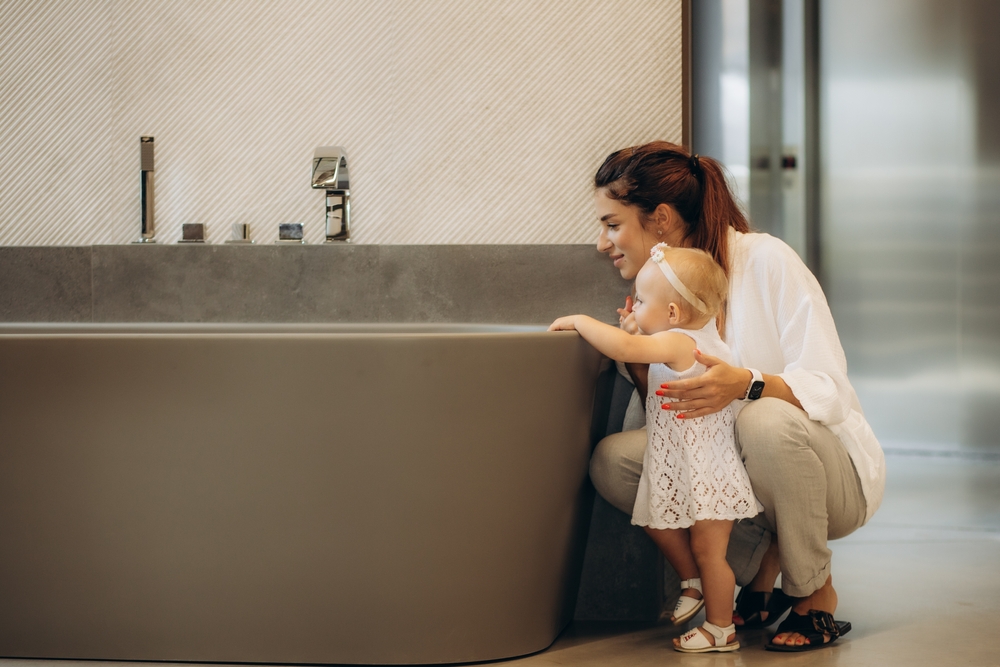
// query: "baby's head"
[[678, 288]]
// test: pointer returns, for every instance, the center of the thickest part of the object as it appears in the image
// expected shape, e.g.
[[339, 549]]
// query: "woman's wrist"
[[755, 387], [748, 374], [776, 387], [742, 382]]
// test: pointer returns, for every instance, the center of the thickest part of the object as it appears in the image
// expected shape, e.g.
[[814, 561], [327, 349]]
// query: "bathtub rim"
[[378, 329]]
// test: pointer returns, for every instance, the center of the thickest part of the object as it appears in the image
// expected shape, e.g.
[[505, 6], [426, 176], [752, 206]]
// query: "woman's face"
[[623, 237]]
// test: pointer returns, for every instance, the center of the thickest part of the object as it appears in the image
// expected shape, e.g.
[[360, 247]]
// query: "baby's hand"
[[626, 320], [564, 324]]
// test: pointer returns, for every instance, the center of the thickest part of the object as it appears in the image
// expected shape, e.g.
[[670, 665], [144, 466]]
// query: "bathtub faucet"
[[329, 173], [147, 232]]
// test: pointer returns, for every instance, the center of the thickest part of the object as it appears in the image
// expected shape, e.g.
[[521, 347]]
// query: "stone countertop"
[[501, 284]]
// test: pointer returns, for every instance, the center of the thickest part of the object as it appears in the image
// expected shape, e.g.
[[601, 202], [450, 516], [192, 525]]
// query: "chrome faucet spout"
[[330, 173], [147, 232]]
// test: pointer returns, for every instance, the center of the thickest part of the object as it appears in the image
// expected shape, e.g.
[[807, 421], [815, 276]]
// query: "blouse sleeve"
[[815, 364]]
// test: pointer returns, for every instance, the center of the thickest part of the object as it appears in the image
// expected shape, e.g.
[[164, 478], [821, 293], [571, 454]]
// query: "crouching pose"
[[815, 465]]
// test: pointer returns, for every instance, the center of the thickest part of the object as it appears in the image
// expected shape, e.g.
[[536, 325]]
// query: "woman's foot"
[[754, 600], [759, 609], [823, 599]]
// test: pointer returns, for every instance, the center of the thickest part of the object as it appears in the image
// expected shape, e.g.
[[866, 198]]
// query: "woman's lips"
[[618, 260]]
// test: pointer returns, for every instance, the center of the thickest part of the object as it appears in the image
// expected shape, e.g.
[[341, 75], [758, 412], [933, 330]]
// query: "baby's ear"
[[674, 313]]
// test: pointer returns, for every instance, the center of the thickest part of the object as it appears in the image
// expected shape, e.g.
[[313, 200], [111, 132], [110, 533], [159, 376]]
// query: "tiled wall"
[[465, 121]]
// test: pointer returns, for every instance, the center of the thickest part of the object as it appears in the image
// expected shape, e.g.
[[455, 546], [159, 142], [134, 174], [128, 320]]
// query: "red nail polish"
[[680, 416], [659, 392], [664, 386], [666, 406]]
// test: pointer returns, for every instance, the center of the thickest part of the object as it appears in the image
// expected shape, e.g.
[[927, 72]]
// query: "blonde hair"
[[702, 275]]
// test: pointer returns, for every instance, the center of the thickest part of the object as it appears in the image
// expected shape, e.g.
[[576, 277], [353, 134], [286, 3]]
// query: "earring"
[[659, 232]]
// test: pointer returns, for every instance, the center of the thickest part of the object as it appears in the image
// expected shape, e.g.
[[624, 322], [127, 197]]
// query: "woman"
[[814, 462]]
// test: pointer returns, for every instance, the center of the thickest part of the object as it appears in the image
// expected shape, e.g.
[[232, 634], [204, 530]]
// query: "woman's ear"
[[665, 218]]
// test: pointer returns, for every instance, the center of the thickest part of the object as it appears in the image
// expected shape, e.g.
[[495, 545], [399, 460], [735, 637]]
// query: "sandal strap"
[[719, 632], [751, 603], [692, 583]]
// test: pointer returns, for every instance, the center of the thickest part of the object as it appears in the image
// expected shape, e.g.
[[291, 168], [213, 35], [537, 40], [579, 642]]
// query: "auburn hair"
[[696, 187]]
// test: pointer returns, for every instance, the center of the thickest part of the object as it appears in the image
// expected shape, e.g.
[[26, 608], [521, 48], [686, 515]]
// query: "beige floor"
[[920, 583]]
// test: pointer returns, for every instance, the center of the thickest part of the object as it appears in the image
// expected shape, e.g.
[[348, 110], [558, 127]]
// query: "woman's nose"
[[603, 244]]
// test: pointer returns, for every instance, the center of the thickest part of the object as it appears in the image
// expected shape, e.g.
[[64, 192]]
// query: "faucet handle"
[[192, 232], [330, 169], [291, 232], [241, 233]]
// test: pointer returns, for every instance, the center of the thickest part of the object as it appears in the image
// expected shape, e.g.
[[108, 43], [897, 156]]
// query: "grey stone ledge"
[[510, 284]]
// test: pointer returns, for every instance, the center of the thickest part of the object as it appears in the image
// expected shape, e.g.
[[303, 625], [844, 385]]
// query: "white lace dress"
[[691, 470]]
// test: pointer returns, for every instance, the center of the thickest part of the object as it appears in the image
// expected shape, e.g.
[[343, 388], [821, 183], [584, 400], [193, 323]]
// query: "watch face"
[[756, 389]]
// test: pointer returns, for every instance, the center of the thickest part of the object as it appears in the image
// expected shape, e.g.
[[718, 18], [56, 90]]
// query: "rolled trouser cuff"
[[805, 479]]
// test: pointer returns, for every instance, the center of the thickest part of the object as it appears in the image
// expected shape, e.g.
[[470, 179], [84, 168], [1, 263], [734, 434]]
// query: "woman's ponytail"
[[719, 211]]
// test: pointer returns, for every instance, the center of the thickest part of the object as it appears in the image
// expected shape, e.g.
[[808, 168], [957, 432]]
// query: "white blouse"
[[778, 321]]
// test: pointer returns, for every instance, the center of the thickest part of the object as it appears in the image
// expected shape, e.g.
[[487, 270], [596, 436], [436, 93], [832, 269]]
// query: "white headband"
[[656, 254]]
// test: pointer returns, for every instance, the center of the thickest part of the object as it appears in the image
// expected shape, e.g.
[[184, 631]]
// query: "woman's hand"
[[567, 323], [626, 320], [710, 392]]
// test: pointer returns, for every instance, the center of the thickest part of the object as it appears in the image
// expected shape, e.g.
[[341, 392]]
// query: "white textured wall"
[[465, 121]]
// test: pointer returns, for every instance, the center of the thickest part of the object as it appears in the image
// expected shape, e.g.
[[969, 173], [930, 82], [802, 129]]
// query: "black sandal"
[[813, 627], [750, 604]]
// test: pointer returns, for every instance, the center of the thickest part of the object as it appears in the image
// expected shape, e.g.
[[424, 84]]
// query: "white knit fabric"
[[778, 321], [691, 470]]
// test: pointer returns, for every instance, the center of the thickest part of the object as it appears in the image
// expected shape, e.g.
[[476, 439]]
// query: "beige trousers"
[[800, 472]]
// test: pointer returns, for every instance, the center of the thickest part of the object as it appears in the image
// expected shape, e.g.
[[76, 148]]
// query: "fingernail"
[[664, 386], [666, 406], [680, 416], [659, 392]]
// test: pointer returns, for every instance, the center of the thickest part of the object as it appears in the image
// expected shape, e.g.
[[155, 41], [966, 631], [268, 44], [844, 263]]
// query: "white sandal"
[[694, 641], [687, 607]]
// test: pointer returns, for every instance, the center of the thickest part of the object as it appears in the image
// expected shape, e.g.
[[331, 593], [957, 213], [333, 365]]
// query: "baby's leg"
[[675, 544], [709, 540]]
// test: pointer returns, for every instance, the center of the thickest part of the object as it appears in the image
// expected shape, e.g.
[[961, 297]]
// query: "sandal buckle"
[[824, 624]]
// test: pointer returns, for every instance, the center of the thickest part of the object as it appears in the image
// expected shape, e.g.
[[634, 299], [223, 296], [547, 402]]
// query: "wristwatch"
[[756, 386]]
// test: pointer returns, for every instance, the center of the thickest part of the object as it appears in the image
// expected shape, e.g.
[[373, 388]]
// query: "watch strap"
[[756, 386]]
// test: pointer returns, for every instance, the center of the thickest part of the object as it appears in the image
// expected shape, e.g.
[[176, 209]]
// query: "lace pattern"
[[691, 470]]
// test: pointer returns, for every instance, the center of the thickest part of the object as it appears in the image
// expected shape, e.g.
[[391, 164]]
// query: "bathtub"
[[367, 494]]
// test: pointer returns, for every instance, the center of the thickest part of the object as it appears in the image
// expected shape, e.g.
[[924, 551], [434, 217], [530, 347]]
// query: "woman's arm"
[[717, 387], [640, 378]]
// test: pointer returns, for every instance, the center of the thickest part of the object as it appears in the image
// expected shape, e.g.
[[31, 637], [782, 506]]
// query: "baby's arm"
[[665, 347]]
